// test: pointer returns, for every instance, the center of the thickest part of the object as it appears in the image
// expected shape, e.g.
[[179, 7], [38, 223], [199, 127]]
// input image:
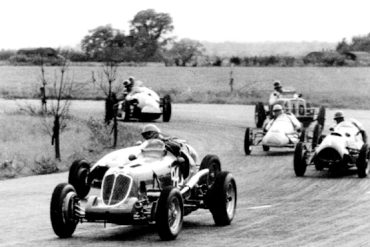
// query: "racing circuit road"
[[275, 208]]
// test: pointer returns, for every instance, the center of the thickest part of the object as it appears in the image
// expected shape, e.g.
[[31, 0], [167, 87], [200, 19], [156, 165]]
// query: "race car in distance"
[[145, 105], [144, 184], [295, 104], [342, 149], [280, 134]]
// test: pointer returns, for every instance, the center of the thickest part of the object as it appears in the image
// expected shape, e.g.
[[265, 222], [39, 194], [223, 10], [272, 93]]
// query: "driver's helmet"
[[131, 79], [150, 131], [339, 116], [277, 84], [127, 84], [277, 109]]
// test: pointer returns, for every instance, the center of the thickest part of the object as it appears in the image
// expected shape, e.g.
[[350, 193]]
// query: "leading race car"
[[144, 184], [342, 149], [295, 104], [144, 105]]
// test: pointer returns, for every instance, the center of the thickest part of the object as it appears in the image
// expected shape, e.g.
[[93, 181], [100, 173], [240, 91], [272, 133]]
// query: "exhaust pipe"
[[193, 181]]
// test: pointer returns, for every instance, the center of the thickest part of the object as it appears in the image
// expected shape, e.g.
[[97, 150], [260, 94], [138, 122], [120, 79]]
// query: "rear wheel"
[[62, 210], [170, 213], [321, 116], [213, 163], [299, 161], [363, 162], [247, 142], [79, 177], [222, 199], [259, 114], [167, 108]]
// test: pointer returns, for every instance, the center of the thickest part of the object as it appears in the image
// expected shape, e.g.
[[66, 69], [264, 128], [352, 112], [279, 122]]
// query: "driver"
[[339, 118], [150, 131], [276, 94], [133, 87], [279, 115]]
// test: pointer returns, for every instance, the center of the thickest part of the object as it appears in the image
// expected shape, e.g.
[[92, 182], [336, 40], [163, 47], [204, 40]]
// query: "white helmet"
[[150, 131], [277, 107]]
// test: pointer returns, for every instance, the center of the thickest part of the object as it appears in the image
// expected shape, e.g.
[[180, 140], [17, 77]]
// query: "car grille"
[[329, 155], [115, 188]]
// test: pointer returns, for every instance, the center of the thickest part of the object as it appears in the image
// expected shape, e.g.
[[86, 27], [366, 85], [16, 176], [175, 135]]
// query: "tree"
[[148, 29], [99, 39], [184, 51]]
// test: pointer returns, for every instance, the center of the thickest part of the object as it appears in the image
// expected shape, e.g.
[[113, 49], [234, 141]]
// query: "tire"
[[321, 116], [213, 163], [265, 148], [259, 114], [167, 108], [126, 111], [169, 214], [222, 198], [363, 162], [78, 177], [316, 135], [61, 210], [302, 136], [247, 142], [299, 162]]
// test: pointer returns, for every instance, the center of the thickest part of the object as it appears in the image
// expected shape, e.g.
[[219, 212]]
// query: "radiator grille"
[[115, 188]]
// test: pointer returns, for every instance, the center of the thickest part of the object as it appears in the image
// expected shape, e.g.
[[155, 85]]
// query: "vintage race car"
[[280, 134], [145, 105], [295, 104], [342, 149], [145, 184]]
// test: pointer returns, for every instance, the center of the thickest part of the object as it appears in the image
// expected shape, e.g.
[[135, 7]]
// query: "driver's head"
[[131, 79], [150, 131], [277, 110], [339, 117], [277, 86]]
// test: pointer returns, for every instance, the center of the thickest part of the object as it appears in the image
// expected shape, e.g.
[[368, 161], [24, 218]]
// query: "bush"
[[22, 59], [6, 54]]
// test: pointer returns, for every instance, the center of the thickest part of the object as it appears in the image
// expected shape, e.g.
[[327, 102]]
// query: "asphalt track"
[[275, 208]]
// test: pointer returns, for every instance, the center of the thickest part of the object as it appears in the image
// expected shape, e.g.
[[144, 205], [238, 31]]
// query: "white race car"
[[342, 149], [280, 134], [144, 105], [145, 184]]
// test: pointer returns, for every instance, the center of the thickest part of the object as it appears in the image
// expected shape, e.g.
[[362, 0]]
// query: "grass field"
[[25, 145], [344, 87]]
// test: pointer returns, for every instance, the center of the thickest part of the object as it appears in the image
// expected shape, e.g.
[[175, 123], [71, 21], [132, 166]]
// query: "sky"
[[64, 23]]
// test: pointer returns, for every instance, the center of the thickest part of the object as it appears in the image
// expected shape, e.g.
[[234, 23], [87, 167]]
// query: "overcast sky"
[[61, 23]]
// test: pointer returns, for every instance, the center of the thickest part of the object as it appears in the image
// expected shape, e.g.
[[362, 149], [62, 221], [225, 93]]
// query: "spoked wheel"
[[222, 199], [170, 213], [247, 142], [213, 163], [259, 114], [62, 210], [299, 162], [363, 162], [167, 108], [79, 177]]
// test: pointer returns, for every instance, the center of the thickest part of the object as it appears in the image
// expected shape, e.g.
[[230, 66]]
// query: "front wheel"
[[321, 115], [170, 213], [62, 206], [79, 177], [363, 162], [259, 114], [247, 142], [222, 199], [299, 161], [167, 108]]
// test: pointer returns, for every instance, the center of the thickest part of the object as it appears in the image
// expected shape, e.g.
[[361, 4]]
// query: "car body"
[[145, 105], [342, 149], [145, 184]]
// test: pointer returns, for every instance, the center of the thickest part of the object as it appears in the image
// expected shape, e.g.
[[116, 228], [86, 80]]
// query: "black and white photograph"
[[184, 123]]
